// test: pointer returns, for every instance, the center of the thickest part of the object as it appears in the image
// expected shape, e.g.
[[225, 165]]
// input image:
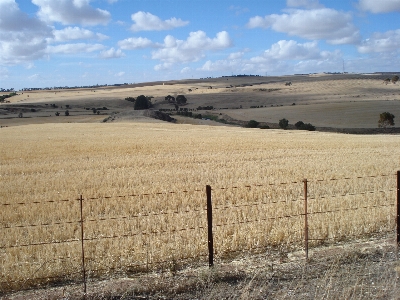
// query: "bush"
[[142, 102], [181, 99], [283, 123], [130, 99], [304, 126], [67, 113], [386, 119], [264, 127], [299, 124], [308, 127], [395, 79], [252, 124]]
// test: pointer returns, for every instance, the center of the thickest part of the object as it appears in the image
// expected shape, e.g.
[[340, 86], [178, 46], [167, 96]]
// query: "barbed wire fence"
[[146, 239]]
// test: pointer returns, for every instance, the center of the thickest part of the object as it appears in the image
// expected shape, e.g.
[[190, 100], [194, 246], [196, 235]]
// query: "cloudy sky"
[[46, 43]]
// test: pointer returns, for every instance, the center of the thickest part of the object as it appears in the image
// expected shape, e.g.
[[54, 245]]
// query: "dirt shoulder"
[[364, 269]]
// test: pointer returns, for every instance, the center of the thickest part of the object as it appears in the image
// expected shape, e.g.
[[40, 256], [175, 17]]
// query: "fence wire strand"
[[154, 232]]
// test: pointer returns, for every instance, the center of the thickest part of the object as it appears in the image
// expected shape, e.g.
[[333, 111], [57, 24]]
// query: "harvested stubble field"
[[149, 227]]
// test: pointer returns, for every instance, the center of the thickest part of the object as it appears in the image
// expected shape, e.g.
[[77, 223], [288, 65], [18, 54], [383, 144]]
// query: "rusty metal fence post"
[[398, 209], [305, 219], [209, 226], [83, 249]]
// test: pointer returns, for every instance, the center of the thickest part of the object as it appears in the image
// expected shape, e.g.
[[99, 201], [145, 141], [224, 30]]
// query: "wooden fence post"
[[305, 219], [210, 233], [83, 249], [398, 209]]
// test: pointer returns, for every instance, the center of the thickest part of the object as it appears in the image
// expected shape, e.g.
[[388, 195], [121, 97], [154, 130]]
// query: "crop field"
[[143, 186]]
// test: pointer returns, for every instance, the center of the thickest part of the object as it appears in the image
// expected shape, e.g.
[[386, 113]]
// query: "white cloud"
[[111, 53], [119, 74], [192, 49], [74, 48], [145, 21], [136, 43], [236, 55], [112, 1], [185, 70], [71, 12], [291, 50], [304, 3], [381, 42], [163, 67], [316, 24], [223, 66], [35, 77], [238, 9], [284, 56], [22, 38], [76, 33], [381, 6]]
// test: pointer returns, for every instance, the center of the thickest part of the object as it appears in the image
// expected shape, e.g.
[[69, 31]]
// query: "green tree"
[[386, 119], [142, 102], [283, 123]]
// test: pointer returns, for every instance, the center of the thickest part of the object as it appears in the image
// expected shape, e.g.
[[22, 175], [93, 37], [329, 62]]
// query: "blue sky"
[[46, 43]]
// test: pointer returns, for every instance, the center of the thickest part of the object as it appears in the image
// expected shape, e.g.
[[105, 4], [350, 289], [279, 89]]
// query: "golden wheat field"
[[143, 189]]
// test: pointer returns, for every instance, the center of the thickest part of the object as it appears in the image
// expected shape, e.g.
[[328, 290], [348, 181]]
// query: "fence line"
[[195, 190], [187, 228], [221, 207], [209, 227]]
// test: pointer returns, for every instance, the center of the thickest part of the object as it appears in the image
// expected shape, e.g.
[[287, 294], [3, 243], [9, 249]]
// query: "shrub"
[[283, 123], [67, 113], [252, 124], [299, 124], [264, 127], [142, 102], [308, 127], [386, 119], [181, 99], [130, 99], [304, 126], [395, 79]]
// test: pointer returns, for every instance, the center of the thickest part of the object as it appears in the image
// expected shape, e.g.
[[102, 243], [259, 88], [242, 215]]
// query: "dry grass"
[[359, 270], [155, 228]]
